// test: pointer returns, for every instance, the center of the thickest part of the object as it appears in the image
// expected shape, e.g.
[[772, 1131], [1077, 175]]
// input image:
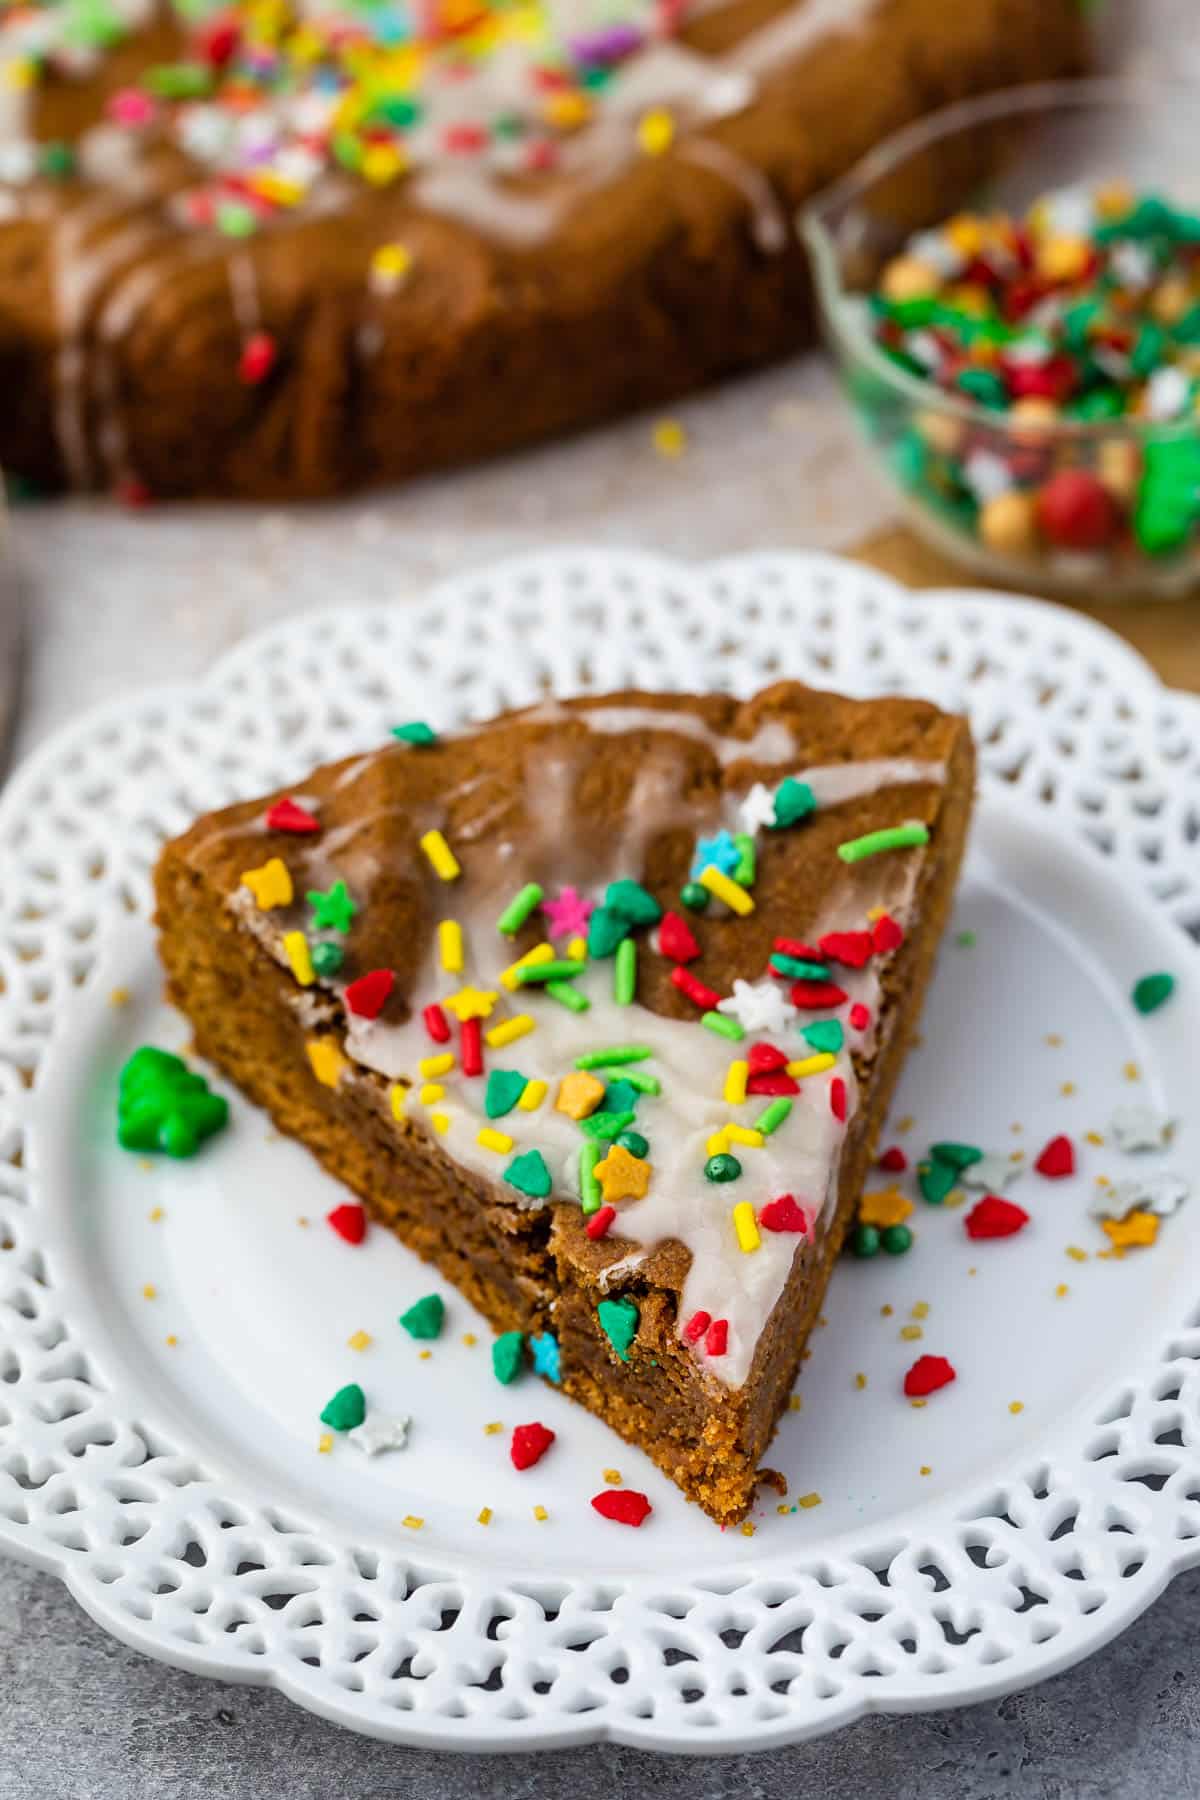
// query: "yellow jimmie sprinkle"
[[717, 1144], [509, 1031], [534, 1094], [735, 1083], [450, 945], [431, 1093], [811, 1065], [746, 1226], [326, 1060], [655, 131], [442, 859], [295, 946], [743, 1134], [398, 1094], [723, 888], [539, 954], [433, 1066], [577, 949], [499, 1141], [440, 1122]]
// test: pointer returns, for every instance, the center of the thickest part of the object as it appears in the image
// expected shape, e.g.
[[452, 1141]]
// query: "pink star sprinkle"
[[568, 915]]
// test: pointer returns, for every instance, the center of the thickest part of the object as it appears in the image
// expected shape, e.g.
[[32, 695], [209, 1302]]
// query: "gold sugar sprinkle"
[[359, 1340], [955, 1197], [860, 1381], [1061, 1290], [821, 1319], [469, 1339], [747, 1528], [171, 1340], [906, 1123], [1015, 1156], [920, 1310], [613, 1477], [1131, 1072], [1102, 1181], [149, 1291], [484, 1515], [325, 1443], [155, 1214], [1076, 1254], [925, 1469], [794, 1403], [804, 1355], [1016, 1406], [425, 1355], [540, 1514], [1094, 1137], [495, 1426], [119, 996], [302, 1221], [910, 1333], [807, 1500], [916, 1404], [1016, 1129], [1066, 1089], [885, 1312], [783, 1509], [972, 1270], [1053, 1039], [412, 1521]]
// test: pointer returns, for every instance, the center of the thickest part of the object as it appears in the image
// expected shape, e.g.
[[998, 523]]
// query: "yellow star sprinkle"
[[472, 1003], [579, 1094], [271, 884], [1138, 1229], [326, 1060], [622, 1176], [886, 1206]]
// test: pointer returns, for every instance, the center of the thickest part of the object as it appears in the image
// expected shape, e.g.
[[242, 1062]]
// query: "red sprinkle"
[[704, 997], [995, 1217], [349, 1221], [436, 1024], [765, 1059], [133, 493], [218, 40], [854, 948], [817, 996], [676, 939], [285, 815], [463, 140], [783, 1214], [716, 1338], [367, 996], [625, 1506], [837, 1098], [1057, 1159], [1076, 510], [772, 1084], [600, 1221], [927, 1375], [696, 1326], [886, 934], [259, 356], [796, 947], [471, 1032], [894, 1160], [859, 1016], [529, 1444]]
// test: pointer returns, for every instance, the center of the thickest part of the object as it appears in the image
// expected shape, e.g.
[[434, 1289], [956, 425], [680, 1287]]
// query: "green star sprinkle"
[[504, 1089], [630, 900], [508, 1356], [162, 1105], [619, 1322], [425, 1317], [605, 1125], [416, 732], [332, 911], [529, 1175], [347, 1409], [794, 800], [1152, 991]]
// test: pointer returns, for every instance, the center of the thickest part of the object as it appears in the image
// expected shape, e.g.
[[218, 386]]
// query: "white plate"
[[178, 1487]]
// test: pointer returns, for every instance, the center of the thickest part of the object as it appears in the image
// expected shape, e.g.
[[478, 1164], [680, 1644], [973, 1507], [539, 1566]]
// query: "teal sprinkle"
[[798, 969], [619, 1321], [794, 800], [620, 1096], [416, 732], [529, 1175], [824, 1035], [425, 1317], [508, 1356], [347, 1408], [547, 1358], [630, 900]]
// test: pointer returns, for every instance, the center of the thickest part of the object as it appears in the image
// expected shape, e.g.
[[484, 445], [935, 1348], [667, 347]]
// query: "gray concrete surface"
[[82, 1718]]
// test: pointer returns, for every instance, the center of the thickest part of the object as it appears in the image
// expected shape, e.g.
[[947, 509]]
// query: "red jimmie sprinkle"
[[463, 140], [1057, 1159], [696, 1326], [676, 939], [350, 1222], [817, 996], [600, 1221], [859, 1016], [894, 1160], [837, 1098], [471, 1033], [436, 1024], [783, 1214], [765, 1059], [625, 1506], [716, 1338], [285, 815], [994, 1217], [798, 948], [772, 1084], [886, 934], [704, 997], [529, 1444], [218, 40], [854, 948], [367, 996], [259, 355], [927, 1375]]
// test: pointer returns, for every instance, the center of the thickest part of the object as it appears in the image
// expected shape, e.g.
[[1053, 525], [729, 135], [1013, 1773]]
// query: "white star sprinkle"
[[378, 1432], [1140, 1128], [1161, 1194], [758, 1007], [992, 1173], [757, 811]]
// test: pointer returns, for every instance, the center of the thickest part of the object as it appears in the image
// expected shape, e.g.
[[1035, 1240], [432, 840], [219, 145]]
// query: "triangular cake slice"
[[599, 1007]]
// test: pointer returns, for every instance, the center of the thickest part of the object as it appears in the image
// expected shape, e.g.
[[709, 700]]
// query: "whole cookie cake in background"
[[272, 250]]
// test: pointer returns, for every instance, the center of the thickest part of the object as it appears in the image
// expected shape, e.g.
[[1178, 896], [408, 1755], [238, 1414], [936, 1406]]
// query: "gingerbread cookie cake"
[[281, 248], [599, 1007]]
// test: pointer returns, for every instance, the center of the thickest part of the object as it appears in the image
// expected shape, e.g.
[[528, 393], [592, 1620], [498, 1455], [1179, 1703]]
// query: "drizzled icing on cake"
[[736, 1267]]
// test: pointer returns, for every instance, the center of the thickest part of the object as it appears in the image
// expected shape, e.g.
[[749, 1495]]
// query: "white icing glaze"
[[768, 219], [796, 31]]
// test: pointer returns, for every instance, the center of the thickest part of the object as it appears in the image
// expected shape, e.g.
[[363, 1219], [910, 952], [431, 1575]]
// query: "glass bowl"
[[1000, 153]]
